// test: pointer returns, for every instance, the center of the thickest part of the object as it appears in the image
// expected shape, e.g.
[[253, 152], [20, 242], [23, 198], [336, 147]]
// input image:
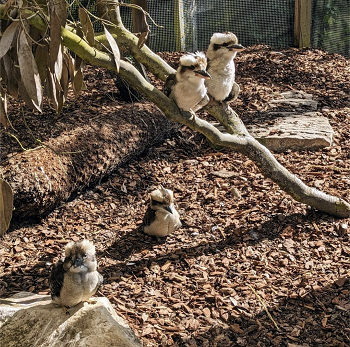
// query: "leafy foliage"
[[34, 63]]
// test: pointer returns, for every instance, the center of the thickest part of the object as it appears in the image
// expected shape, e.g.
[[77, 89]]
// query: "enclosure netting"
[[253, 21], [331, 26], [187, 25]]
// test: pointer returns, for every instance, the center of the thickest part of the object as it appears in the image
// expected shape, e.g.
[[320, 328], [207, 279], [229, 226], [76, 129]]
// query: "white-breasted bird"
[[161, 217], [221, 52], [187, 87], [75, 279]]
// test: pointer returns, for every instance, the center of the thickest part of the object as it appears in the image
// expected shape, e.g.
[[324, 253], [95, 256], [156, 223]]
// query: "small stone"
[[235, 192]]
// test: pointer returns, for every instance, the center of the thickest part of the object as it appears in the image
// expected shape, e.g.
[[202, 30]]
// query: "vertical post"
[[179, 26], [302, 23], [139, 24]]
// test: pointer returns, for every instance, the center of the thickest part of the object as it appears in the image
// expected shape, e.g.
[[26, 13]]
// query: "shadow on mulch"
[[315, 318], [135, 241]]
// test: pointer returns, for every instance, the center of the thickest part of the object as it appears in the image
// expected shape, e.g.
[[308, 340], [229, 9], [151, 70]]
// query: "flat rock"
[[296, 100], [33, 320], [290, 123], [290, 130]]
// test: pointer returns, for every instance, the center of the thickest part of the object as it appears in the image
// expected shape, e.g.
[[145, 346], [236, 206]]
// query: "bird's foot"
[[91, 301], [189, 114], [65, 310]]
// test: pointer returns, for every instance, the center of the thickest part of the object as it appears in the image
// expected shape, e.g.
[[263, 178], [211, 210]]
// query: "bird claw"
[[189, 114]]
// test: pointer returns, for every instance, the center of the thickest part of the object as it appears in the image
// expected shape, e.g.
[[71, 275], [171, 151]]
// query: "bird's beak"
[[202, 74], [237, 47], [78, 262], [169, 209]]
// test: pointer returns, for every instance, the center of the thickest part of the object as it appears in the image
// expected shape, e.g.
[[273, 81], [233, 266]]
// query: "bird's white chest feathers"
[[78, 287], [222, 79], [164, 223], [188, 93]]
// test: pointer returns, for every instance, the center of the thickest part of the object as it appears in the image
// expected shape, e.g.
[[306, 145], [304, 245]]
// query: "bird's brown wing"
[[169, 83], [99, 283], [233, 94], [56, 278], [100, 279], [149, 217]]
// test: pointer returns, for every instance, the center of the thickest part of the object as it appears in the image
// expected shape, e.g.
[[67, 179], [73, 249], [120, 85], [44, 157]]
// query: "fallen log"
[[80, 157]]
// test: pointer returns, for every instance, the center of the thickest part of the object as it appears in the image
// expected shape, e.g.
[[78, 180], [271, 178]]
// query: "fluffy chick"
[[187, 87], [75, 279], [221, 52], [161, 217]]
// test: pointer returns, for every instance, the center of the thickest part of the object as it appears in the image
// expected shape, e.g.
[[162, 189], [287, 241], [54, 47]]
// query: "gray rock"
[[33, 320], [294, 99], [293, 131]]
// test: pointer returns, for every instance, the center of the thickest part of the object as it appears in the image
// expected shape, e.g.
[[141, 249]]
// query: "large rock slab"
[[296, 100], [294, 131], [33, 320]]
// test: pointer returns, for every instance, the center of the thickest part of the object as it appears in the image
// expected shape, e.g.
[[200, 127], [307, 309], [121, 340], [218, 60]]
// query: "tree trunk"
[[41, 179]]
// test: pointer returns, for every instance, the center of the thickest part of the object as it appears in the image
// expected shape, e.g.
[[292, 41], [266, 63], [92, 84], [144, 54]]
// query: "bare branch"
[[237, 137]]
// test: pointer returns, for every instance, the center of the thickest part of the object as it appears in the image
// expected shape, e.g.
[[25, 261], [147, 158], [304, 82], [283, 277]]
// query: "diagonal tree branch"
[[237, 137]]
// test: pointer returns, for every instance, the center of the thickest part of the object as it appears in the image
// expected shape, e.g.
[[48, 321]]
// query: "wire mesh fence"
[[331, 26], [187, 25]]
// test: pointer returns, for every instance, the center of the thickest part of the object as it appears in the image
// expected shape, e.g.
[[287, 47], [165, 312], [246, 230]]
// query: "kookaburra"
[[221, 67], [75, 279], [187, 87], [161, 217]]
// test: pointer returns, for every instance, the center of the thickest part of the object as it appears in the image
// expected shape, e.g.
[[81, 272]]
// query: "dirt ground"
[[250, 266]]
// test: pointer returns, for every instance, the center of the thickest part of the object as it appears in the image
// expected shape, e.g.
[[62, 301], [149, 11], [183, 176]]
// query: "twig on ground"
[[265, 308]]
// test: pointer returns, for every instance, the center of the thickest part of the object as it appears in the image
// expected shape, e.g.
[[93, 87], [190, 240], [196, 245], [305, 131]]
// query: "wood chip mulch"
[[250, 266]]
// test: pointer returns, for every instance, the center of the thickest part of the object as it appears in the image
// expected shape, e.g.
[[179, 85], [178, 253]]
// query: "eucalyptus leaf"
[[7, 38], [42, 60], [114, 47], [29, 70], [3, 109], [12, 84], [142, 39], [78, 82], [87, 26], [55, 38], [60, 7], [6, 206]]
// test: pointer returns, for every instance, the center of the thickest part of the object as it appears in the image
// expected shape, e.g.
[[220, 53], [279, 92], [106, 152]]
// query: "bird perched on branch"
[[75, 279], [221, 66], [186, 87], [161, 217]]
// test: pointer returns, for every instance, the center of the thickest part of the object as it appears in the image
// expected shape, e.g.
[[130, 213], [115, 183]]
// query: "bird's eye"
[[192, 67], [225, 44]]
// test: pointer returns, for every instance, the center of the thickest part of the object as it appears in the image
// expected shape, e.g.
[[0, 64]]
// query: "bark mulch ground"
[[250, 266]]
